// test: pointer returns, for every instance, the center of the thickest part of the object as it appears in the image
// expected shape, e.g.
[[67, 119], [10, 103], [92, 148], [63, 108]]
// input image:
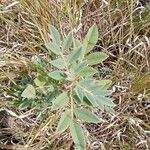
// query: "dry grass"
[[124, 27]]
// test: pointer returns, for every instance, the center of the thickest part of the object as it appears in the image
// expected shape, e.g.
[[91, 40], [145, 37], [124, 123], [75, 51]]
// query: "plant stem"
[[72, 104]]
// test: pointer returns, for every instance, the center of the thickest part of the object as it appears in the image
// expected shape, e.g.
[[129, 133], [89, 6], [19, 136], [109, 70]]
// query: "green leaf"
[[105, 101], [38, 82], [64, 121], [51, 46], [77, 43], [50, 88], [77, 135], [79, 67], [60, 101], [105, 83], [29, 92], [25, 104], [70, 76], [36, 61], [93, 101], [86, 101], [96, 58], [56, 38], [76, 98], [88, 71], [90, 39], [79, 93], [58, 63], [95, 93], [74, 55], [67, 42], [57, 75], [86, 115]]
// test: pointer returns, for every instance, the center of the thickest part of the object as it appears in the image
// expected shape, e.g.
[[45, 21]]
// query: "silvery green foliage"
[[82, 94]]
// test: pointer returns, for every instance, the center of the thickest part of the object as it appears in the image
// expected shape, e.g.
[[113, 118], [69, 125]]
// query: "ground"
[[124, 34]]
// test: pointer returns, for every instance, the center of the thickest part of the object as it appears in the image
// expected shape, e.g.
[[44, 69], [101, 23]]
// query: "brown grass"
[[124, 28]]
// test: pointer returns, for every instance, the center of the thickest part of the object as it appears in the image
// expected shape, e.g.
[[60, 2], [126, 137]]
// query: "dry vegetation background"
[[124, 34]]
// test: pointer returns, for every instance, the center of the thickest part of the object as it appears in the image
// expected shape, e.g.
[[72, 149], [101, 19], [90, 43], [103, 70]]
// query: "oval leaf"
[[58, 63], [55, 35], [60, 101], [51, 46], [57, 75], [77, 135], [86, 115], [79, 67], [90, 39], [88, 71], [79, 93], [96, 58], [74, 55], [29, 92], [64, 121], [67, 42]]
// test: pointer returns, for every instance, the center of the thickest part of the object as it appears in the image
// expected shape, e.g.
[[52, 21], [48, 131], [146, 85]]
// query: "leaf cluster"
[[81, 95]]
